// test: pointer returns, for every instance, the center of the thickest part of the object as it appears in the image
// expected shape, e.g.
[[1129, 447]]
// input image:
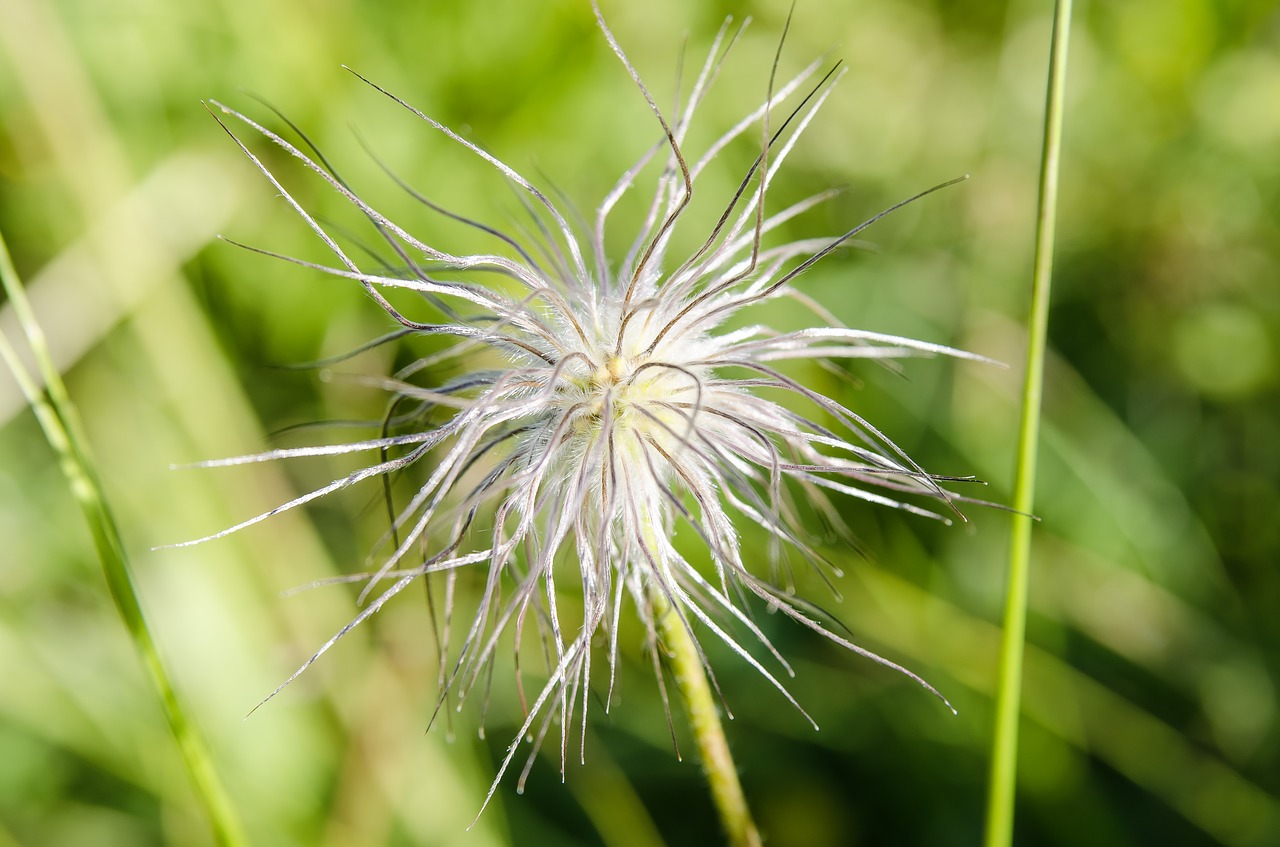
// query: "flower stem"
[[704, 720], [1004, 752]]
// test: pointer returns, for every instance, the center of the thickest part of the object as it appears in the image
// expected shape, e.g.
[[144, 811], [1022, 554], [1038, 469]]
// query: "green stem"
[[704, 720], [1004, 753], [61, 424]]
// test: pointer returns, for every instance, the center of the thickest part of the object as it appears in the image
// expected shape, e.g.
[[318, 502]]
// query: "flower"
[[630, 398]]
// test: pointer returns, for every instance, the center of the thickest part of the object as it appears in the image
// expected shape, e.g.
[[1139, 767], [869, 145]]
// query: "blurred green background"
[[1150, 696]]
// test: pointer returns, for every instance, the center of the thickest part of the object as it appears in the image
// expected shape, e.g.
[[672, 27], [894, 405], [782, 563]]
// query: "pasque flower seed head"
[[632, 396]]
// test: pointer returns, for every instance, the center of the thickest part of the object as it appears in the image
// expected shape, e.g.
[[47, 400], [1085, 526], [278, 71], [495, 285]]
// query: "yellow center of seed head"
[[606, 376], [615, 368]]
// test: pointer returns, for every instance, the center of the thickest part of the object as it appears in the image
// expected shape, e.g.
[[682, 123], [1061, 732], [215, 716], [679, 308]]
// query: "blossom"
[[632, 397]]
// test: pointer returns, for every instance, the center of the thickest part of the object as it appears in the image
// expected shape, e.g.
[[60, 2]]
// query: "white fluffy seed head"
[[622, 408]]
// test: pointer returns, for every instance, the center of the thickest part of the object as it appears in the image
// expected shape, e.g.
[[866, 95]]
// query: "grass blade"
[[57, 417], [1004, 752]]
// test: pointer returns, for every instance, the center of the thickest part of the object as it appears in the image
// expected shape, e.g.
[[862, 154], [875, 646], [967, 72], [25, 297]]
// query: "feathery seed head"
[[622, 408]]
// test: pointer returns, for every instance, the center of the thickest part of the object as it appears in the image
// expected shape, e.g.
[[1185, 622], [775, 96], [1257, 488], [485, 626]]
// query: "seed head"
[[632, 397]]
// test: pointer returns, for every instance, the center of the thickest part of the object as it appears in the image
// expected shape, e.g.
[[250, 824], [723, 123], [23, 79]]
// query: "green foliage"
[[1153, 655]]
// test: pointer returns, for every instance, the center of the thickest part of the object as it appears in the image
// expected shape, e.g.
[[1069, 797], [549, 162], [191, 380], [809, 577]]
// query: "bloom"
[[629, 398]]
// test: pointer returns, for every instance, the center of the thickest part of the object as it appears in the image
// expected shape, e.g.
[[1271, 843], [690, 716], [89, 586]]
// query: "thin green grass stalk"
[[61, 425], [704, 721], [1004, 751]]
